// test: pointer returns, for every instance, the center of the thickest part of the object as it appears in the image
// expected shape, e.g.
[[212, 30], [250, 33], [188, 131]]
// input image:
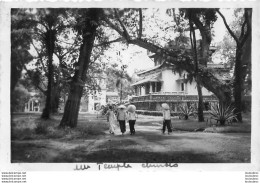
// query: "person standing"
[[111, 118], [131, 120], [122, 117], [166, 121]]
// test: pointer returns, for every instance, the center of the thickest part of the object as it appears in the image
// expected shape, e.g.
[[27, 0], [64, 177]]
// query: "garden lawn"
[[35, 140]]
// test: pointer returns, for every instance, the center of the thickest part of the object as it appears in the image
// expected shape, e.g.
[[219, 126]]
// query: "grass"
[[55, 144], [27, 127], [193, 125]]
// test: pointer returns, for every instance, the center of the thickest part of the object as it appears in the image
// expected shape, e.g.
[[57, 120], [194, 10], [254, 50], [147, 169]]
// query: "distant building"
[[95, 98], [161, 84], [112, 97], [34, 104]]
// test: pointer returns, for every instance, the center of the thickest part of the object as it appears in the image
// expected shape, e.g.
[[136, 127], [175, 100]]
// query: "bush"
[[186, 111], [151, 113], [41, 128], [22, 134], [222, 114]]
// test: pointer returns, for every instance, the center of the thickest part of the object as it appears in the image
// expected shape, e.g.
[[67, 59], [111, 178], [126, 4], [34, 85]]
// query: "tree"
[[203, 20], [87, 24], [46, 25], [177, 58], [122, 78], [243, 48], [197, 77], [51, 24]]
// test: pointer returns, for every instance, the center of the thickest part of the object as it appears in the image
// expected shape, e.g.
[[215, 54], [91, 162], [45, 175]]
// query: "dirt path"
[[148, 145]]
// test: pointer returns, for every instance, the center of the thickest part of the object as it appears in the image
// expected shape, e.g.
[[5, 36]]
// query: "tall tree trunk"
[[50, 37], [205, 45], [55, 98], [70, 116], [238, 84], [121, 92], [200, 104], [197, 77]]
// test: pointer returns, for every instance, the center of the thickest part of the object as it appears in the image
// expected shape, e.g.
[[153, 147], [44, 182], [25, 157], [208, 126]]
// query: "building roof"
[[154, 78], [151, 69], [115, 94]]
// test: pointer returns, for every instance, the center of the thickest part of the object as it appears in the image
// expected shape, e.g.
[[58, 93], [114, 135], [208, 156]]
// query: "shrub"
[[186, 111], [41, 128], [222, 114], [22, 134]]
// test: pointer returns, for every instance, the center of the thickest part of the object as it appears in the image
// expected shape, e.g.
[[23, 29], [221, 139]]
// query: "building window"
[[159, 86], [182, 87]]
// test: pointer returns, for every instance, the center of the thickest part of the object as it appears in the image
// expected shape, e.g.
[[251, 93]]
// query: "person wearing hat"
[[166, 120], [131, 120], [122, 117], [111, 118]]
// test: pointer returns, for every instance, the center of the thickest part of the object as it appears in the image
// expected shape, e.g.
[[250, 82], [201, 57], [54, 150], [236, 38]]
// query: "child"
[[167, 120]]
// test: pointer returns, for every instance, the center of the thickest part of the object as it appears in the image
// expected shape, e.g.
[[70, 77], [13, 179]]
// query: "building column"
[[155, 88], [32, 106], [151, 87]]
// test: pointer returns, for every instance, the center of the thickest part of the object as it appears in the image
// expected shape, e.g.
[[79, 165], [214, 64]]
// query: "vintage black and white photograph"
[[133, 85]]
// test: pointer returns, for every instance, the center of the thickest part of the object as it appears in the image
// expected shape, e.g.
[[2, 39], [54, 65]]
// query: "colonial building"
[[95, 98], [34, 104], [161, 84], [112, 97]]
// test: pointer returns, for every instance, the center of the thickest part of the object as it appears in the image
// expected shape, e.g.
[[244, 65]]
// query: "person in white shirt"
[[131, 120], [122, 117], [166, 121]]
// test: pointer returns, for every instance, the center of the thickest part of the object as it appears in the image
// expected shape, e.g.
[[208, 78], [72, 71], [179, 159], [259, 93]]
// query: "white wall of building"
[[192, 89], [98, 98], [172, 84], [169, 81]]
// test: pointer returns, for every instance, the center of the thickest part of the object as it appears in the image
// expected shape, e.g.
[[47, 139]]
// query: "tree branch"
[[140, 23], [37, 86], [44, 68], [242, 30], [113, 26], [248, 31], [125, 33], [228, 28], [109, 42]]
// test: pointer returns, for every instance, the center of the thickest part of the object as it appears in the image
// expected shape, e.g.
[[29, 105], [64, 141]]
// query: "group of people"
[[122, 116]]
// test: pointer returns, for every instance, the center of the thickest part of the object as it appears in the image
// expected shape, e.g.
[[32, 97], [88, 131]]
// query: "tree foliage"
[[20, 43]]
